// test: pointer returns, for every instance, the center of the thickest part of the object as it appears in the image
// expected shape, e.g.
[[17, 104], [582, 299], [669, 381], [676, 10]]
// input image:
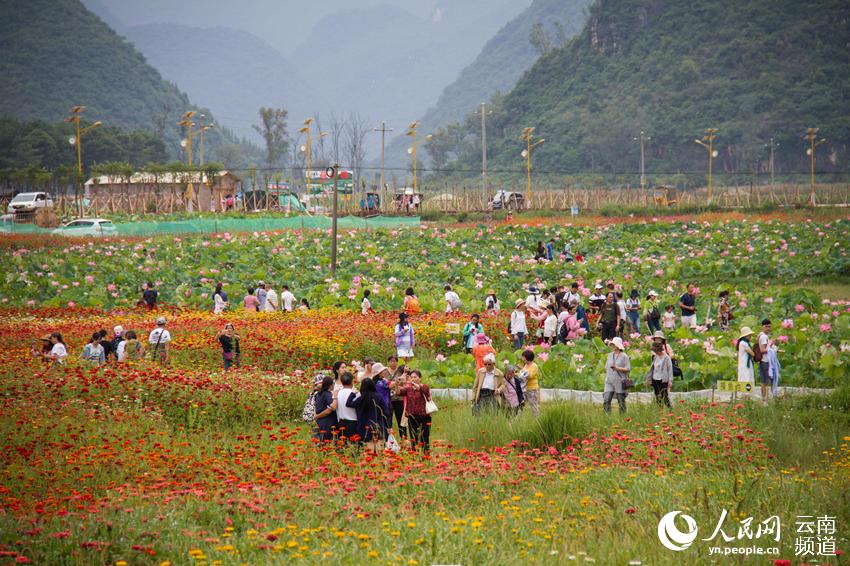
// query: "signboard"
[[319, 182], [739, 386], [452, 328], [277, 186]]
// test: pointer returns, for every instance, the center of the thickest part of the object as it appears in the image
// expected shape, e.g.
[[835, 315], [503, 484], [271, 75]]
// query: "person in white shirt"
[[532, 300], [518, 328], [491, 302], [597, 298], [159, 340], [58, 351], [572, 295], [550, 326], [287, 299], [219, 299], [271, 299], [366, 304], [346, 416], [453, 303]]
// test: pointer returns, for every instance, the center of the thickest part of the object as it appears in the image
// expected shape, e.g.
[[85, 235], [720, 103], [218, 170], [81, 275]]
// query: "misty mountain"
[[755, 70], [55, 54], [499, 65], [233, 71]]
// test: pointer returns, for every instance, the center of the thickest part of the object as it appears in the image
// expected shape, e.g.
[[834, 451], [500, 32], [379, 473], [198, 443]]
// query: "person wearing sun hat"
[[617, 368], [159, 339], [659, 338], [481, 349], [745, 356], [491, 302], [517, 327]]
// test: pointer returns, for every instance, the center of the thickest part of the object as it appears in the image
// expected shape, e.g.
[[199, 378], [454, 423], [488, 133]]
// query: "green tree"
[[274, 131]]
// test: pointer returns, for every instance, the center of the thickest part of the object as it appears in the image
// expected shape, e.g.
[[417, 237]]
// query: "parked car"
[[28, 202], [507, 200], [86, 227]]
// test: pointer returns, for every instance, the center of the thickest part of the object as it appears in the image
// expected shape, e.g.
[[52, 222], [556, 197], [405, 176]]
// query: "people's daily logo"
[[670, 535]]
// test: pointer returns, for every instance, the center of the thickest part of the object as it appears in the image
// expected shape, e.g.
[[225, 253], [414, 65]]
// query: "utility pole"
[[75, 119], [528, 136], [411, 131], [383, 129], [811, 137], [708, 143], [770, 162], [190, 191], [642, 139], [484, 112], [201, 131], [335, 172]]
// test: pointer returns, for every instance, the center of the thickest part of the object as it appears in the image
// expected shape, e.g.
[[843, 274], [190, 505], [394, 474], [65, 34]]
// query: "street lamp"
[[528, 137], [75, 118], [811, 137], [187, 122], [642, 139], [484, 113], [308, 148], [200, 131], [707, 142], [411, 131], [383, 129]]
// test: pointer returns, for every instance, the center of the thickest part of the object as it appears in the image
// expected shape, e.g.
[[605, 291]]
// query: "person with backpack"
[[471, 330], [130, 349], [651, 313], [569, 329], [411, 302], [404, 338], [453, 303], [512, 393], [159, 339]]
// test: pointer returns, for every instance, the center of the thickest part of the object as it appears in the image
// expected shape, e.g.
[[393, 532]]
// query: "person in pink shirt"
[[251, 302]]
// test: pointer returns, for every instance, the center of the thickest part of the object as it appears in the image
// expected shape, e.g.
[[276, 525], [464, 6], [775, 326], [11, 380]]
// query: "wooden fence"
[[471, 199]]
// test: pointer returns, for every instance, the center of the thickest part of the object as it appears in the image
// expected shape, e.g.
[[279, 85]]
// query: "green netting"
[[213, 225]]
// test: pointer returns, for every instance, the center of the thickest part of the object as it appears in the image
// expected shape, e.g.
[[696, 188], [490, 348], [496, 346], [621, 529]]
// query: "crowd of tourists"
[[361, 402]]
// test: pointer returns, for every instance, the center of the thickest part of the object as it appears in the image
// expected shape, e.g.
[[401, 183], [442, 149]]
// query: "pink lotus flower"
[[89, 279], [451, 343], [440, 358], [768, 300], [787, 323], [659, 272], [799, 308], [111, 287], [71, 304], [742, 304], [826, 327], [782, 338], [543, 356]]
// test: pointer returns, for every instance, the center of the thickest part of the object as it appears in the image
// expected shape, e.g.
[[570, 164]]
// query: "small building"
[[209, 192]]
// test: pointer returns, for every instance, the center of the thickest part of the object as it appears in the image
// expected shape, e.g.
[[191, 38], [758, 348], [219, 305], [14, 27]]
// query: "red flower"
[[630, 511], [779, 562]]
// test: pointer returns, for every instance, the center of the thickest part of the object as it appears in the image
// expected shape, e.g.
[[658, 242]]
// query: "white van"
[[28, 202]]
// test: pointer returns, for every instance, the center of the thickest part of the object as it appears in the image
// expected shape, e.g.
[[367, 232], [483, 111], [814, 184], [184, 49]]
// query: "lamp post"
[[334, 171], [411, 131], [383, 129], [528, 137], [75, 118], [201, 131], [306, 130], [484, 113], [811, 137], [707, 142], [642, 139], [190, 191]]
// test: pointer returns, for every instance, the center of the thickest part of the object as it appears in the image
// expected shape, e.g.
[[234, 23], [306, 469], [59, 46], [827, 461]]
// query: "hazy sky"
[[282, 23]]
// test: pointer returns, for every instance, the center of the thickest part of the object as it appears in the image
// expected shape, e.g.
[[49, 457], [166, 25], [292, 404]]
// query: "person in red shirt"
[[481, 349], [415, 394]]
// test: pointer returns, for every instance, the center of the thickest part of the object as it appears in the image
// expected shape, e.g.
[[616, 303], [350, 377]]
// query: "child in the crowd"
[[668, 319]]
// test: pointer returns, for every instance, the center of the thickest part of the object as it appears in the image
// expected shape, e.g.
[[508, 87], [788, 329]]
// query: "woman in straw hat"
[[745, 355], [617, 368]]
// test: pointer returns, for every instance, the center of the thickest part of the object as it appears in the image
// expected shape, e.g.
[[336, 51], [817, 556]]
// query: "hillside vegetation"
[[55, 54], [755, 70]]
